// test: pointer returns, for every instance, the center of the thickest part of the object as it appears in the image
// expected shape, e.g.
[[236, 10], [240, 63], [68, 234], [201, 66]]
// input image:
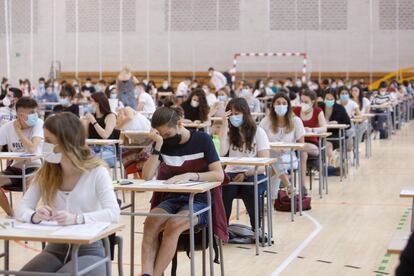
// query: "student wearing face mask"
[[350, 105], [100, 124], [67, 95], [259, 89], [178, 155], [8, 111], [40, 89], [281, 125], [241, 137], [165, 87], [271, 88], [50, 96], [24, 134], [247, 94], [335, 113], [145, 101], [112, 93], [88, 87], [218, 108], [313, 119], [71, 187], [382, 98], [196, 107]]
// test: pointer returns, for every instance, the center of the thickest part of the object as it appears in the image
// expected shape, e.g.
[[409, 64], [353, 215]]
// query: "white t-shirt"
[[218, 80], [281, 135], [365, 104], [260, 142], [182, 89], [8, 136], [350, 108], [93, 197], [139, 123], [7, 114], [211, 99], [146, 99]]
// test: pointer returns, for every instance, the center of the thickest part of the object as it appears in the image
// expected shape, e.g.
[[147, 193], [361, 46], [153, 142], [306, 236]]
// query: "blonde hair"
[[72, 140]]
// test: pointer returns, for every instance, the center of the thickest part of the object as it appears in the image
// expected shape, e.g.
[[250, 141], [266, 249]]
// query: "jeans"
[[246, 193]]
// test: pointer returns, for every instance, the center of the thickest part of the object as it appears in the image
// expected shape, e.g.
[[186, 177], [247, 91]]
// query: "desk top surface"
[[247, 161], [14, 233], [283, 145], [102, 141], [144, 186], [19, 156]]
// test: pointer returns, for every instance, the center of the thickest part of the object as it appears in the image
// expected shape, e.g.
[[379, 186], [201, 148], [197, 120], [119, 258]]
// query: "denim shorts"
[[173, 205]]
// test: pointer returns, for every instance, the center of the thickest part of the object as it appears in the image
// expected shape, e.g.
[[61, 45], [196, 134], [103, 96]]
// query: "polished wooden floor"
[[345, 233]]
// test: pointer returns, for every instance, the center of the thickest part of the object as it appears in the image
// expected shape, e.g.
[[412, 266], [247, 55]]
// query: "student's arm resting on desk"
[[153, 162], [27, 205]]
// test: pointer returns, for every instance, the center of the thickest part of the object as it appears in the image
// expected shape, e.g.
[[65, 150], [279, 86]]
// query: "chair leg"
[[174, 265], [11, 199], [120, 243], [237, 209]]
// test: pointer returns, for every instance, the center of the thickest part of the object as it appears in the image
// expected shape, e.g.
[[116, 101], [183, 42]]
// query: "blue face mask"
[[344, 98], [64, 102], [281, 110], [236, 120], [329, 103], [113, 96], [32, 119], [222, 98]]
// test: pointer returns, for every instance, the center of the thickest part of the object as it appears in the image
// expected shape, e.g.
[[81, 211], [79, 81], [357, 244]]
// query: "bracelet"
[[198, 176], [95, 123], [31, 219]]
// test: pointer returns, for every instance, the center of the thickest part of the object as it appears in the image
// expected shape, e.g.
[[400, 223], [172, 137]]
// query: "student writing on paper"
[[71, 187], [240, 137], [178, 155], [23, 134]]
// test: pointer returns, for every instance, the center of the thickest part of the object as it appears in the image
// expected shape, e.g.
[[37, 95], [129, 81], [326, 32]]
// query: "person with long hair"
[[71, 187], [100, 124], [241, 137], [357, 95], [281, 125], [67, 96], [178, 155], [196, 107], [313, 119]]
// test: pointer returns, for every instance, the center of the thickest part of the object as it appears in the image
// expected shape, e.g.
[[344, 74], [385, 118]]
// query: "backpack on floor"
[[383, 133], [283, 202]]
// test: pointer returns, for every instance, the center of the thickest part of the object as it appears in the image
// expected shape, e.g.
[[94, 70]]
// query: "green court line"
[[386, 259]]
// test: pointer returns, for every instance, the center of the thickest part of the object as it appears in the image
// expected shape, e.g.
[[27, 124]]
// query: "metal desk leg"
[[345, 156], [256, 210], [115, 161], [320, 167], [341, 165], [325, 166], [292, 190], [6, 255], [412, 216], [300, 181], [210, 233], [24, 177], [269, 205], [132, 234], [191, 217], [74, 259]]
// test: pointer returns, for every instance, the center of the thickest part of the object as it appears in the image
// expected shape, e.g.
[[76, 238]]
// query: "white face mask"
[[6, 101], [49, 155], [305, 107], [195, 104], [165, 85]]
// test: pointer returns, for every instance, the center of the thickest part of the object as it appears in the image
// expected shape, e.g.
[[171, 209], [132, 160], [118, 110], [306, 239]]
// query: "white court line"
[[298, 249]]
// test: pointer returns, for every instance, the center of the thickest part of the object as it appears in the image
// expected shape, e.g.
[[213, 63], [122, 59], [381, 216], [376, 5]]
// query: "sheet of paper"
[[44, 225], [82, 230], [162, 183]]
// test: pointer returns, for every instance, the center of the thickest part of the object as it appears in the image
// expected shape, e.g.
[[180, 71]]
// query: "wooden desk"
[[23, 159], [292, 147], [140, 186], [16, 234], [256, 162], [398, 241], [323, 166]]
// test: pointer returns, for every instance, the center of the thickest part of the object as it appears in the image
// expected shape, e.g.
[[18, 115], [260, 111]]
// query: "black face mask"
[[172, 141]]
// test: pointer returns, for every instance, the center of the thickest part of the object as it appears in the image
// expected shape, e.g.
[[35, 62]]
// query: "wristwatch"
[[155, 152], [80, 219]]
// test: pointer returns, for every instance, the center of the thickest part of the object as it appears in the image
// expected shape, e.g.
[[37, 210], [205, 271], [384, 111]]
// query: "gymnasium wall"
[[191, 35]]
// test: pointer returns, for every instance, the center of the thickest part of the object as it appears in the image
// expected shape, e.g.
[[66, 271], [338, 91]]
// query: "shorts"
[[16, 183], [173, 205]]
